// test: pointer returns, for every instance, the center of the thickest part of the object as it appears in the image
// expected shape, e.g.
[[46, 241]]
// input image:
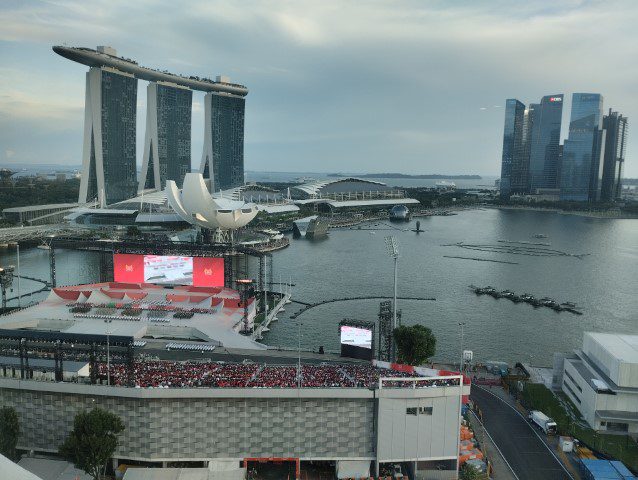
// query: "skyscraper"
[[223, 140], [544, 140], [167, 145], [615, 126], [512, 144], [109, 172], [520, 168], [581, 175]]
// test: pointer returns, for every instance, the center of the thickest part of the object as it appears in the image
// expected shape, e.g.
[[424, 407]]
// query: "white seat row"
[[194, 347]]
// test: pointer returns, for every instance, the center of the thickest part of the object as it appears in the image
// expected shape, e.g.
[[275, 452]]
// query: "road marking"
[[495, 445], [533, 430]]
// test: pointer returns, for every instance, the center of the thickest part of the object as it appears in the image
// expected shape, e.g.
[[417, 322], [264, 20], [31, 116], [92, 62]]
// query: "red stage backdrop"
[[208, 272], [128, 268]]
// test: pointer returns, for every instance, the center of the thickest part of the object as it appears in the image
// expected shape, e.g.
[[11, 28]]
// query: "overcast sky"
[[375, 86]]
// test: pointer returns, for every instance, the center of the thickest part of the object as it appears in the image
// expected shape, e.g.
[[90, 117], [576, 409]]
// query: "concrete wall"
[[408, 437], [589, 401], [203, 424], [203, 428]]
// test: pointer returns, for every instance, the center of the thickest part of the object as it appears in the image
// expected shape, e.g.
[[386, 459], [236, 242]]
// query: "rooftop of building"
[[107, 57], [34, 208], [623, 347], [317, 186]]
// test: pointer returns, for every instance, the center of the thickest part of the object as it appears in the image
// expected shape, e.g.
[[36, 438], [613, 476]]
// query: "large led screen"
[[357, 337], [169, 270]]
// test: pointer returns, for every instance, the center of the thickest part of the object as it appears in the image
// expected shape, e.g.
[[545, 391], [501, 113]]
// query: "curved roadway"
[[522, 446]]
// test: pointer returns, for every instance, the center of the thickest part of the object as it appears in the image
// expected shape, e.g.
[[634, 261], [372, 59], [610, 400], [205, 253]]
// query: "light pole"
[[19, 289], [393, 250], [299, 354], [108, 358], [461, 365]]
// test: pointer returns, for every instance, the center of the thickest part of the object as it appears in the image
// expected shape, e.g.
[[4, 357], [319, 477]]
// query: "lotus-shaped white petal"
[[195, 205]]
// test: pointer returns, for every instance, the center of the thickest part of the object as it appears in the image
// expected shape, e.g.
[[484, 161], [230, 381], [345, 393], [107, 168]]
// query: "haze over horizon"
[[410, 87]]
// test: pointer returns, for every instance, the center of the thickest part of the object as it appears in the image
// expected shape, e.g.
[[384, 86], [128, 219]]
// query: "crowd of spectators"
[[171, 374]]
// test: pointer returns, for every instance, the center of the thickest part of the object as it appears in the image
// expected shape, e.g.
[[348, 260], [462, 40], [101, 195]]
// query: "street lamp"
[[108, 357], [392, 247], [462, 325]]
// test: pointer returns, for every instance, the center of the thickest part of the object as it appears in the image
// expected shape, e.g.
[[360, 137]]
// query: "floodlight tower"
[[245, 284], [393, 250]]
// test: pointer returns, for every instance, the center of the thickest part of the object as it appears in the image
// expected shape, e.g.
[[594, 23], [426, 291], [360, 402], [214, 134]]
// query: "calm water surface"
[[604, 284]]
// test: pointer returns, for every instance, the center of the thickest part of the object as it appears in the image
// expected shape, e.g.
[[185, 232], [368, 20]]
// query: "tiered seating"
[[275, 377], [164, 374], [324, 376]]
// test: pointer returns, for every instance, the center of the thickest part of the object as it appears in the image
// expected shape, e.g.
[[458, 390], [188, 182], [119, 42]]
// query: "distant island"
[[403, 175]]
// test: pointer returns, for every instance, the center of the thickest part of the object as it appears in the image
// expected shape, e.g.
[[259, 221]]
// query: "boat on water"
[[445, 185], [539, 235]]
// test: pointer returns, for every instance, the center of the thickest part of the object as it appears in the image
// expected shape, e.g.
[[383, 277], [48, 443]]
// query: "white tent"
[[11, 470]]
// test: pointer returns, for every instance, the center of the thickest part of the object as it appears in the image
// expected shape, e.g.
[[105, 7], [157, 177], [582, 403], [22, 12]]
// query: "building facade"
[[581, 177], [544, 139], [601, 379], [512, 144], [387, 425], [223, 141], [109, 171], [167, 145], [615, 127]]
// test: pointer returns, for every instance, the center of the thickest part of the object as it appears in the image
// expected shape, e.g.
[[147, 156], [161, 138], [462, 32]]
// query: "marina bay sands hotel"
[[109, 173]]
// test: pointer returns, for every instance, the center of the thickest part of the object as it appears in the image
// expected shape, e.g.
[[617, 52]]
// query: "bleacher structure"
[[61, 346]]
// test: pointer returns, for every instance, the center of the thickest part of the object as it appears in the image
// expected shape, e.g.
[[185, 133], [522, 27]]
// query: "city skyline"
[[319, 81]]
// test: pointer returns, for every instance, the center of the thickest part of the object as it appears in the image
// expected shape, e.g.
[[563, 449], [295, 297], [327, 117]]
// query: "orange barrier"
[[466, 433], [467, 445], [470, 455]]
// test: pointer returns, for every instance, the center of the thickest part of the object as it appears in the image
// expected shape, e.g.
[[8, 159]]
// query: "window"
[[573, 381], [566, 385], [617, 427], [411, 411]]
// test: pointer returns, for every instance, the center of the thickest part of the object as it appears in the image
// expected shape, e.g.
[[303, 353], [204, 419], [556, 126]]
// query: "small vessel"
[[445, 185], [539, 235]]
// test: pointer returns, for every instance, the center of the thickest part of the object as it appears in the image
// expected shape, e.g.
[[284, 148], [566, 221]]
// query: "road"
[[524, 450]]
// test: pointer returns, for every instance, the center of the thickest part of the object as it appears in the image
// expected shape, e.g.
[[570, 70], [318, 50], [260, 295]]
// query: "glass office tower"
[[544, 141], [615, 127], [109, 173], [167, 145], [581, 176], [223, 157], [520, 168], [512, 143]]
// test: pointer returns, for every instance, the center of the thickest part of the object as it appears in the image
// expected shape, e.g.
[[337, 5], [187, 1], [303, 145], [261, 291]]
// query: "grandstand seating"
[[170, 374]]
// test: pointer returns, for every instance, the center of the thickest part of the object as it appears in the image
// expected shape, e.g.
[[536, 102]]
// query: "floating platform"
[[527, 298]]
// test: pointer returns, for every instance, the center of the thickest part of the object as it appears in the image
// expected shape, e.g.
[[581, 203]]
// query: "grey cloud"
[[344, 85]]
